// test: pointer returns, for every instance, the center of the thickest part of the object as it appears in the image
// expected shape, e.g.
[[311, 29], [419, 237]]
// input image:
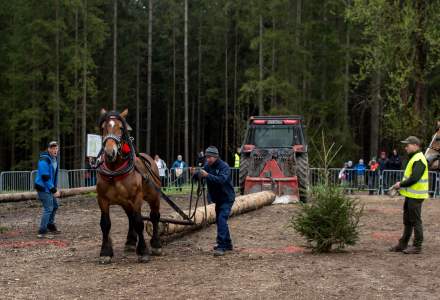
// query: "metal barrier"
[[81, 178], [372, 181], [391, 176], [15, 181]]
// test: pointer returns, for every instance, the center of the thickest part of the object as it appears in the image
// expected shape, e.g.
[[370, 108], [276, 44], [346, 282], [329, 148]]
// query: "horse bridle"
[[436, 138], [113, 115], [124, 138]]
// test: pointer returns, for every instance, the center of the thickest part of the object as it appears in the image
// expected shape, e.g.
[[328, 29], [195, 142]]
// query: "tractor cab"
[[274, 157]]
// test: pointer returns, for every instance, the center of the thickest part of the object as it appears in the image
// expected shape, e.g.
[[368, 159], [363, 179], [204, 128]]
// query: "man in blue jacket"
[[217, 174], [46, 186]]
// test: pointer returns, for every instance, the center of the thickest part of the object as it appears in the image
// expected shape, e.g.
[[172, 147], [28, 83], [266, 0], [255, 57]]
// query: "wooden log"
[[16, 197], [241, 205]]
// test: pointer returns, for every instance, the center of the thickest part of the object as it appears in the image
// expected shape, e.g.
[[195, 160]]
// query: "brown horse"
[[432, 153], [126, 180]]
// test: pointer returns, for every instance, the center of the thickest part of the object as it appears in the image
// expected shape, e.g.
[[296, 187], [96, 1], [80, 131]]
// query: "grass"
[[3, 229]]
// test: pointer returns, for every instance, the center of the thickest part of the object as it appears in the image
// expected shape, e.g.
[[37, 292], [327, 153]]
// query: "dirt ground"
[[269, 261]]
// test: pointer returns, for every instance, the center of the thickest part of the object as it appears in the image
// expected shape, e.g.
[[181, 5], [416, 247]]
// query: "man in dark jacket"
[[46, 186], [395, 163], [414, 187], [217, 174]]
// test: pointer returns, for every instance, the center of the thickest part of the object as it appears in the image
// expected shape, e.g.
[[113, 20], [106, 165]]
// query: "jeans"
[[222, 212], [50, 206]]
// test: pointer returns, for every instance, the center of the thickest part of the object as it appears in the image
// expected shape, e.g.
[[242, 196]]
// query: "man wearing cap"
[[414, 186], [46, 186], [220, 191]]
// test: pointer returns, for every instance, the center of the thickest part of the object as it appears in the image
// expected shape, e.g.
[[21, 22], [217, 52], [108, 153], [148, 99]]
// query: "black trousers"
[[412, 220]]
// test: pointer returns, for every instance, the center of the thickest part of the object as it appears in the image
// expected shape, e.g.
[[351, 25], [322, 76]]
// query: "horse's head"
[[433, 152], [114, 130]]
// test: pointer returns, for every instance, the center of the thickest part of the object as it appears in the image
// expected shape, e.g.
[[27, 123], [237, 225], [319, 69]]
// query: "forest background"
[[191, 72]]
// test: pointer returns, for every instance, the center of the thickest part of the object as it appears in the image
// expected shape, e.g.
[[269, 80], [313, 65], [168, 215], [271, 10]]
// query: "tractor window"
[[273, 136]]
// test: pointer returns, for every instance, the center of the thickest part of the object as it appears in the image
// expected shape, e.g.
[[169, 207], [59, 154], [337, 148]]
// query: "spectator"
[[237, 159], [90, 174], [360, 174], [383, 161], [46, 186], [395, 163], [178, 168], [162, 166], [343, 176], [350, 175], [373, 175]]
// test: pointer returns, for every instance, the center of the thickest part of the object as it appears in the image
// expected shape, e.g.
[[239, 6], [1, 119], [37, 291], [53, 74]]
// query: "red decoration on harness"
[[118, 168], [125, 149]]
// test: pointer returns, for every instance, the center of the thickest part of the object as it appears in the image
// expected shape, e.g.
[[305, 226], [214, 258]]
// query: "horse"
[[432, 153], [125, 179]]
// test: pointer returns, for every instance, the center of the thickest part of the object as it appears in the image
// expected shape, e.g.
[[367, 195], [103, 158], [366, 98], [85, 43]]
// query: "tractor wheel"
[[302, 162], [244, 171]]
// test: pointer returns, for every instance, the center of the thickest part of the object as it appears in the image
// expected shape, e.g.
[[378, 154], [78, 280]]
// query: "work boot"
[[413, 250], [397, 248], [52, 228], [216, 247], [44, 235], [219, 252]]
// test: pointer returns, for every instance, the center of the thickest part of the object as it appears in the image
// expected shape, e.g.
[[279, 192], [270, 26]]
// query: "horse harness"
[[127, 151]]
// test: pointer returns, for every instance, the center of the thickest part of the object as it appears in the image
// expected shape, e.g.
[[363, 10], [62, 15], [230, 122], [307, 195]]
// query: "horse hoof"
[[156, 251], [130, 248], [143, 258], [105, 260]]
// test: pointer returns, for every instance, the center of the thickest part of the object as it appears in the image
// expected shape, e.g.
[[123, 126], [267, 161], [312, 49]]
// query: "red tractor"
[[274, 157]]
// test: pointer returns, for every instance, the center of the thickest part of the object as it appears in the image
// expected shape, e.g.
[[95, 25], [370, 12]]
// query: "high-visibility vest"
[[237, 161], [418, 190]]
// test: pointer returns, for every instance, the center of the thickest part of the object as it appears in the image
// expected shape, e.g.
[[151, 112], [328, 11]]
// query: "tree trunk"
[[323, 61], [347, 76], [57, 75], [420, 57], [273, 65], [226, 149], [76, 140], [35, 125], [84, 102], [301, 75], [236, 131], [173, 115], [115, 51], [186, 82], [199, 89], [138, 109], [260, 88], [150, 37], [203, 216], [375, 114]]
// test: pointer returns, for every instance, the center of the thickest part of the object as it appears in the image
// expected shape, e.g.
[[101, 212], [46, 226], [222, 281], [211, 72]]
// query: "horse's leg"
[[156, 246], [138, 224], [130, 244], [106, 248]]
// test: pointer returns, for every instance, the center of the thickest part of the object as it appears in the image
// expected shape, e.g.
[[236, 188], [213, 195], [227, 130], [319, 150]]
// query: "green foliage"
[[319, 60], [331, 218]]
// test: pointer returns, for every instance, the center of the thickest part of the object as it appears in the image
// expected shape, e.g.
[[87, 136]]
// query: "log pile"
[[241, 205], [15, 197]]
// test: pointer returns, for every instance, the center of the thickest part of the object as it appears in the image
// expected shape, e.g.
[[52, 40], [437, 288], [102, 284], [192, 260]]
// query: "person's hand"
[[57, 194], [203, 173], [192, 170], [396, 185]]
